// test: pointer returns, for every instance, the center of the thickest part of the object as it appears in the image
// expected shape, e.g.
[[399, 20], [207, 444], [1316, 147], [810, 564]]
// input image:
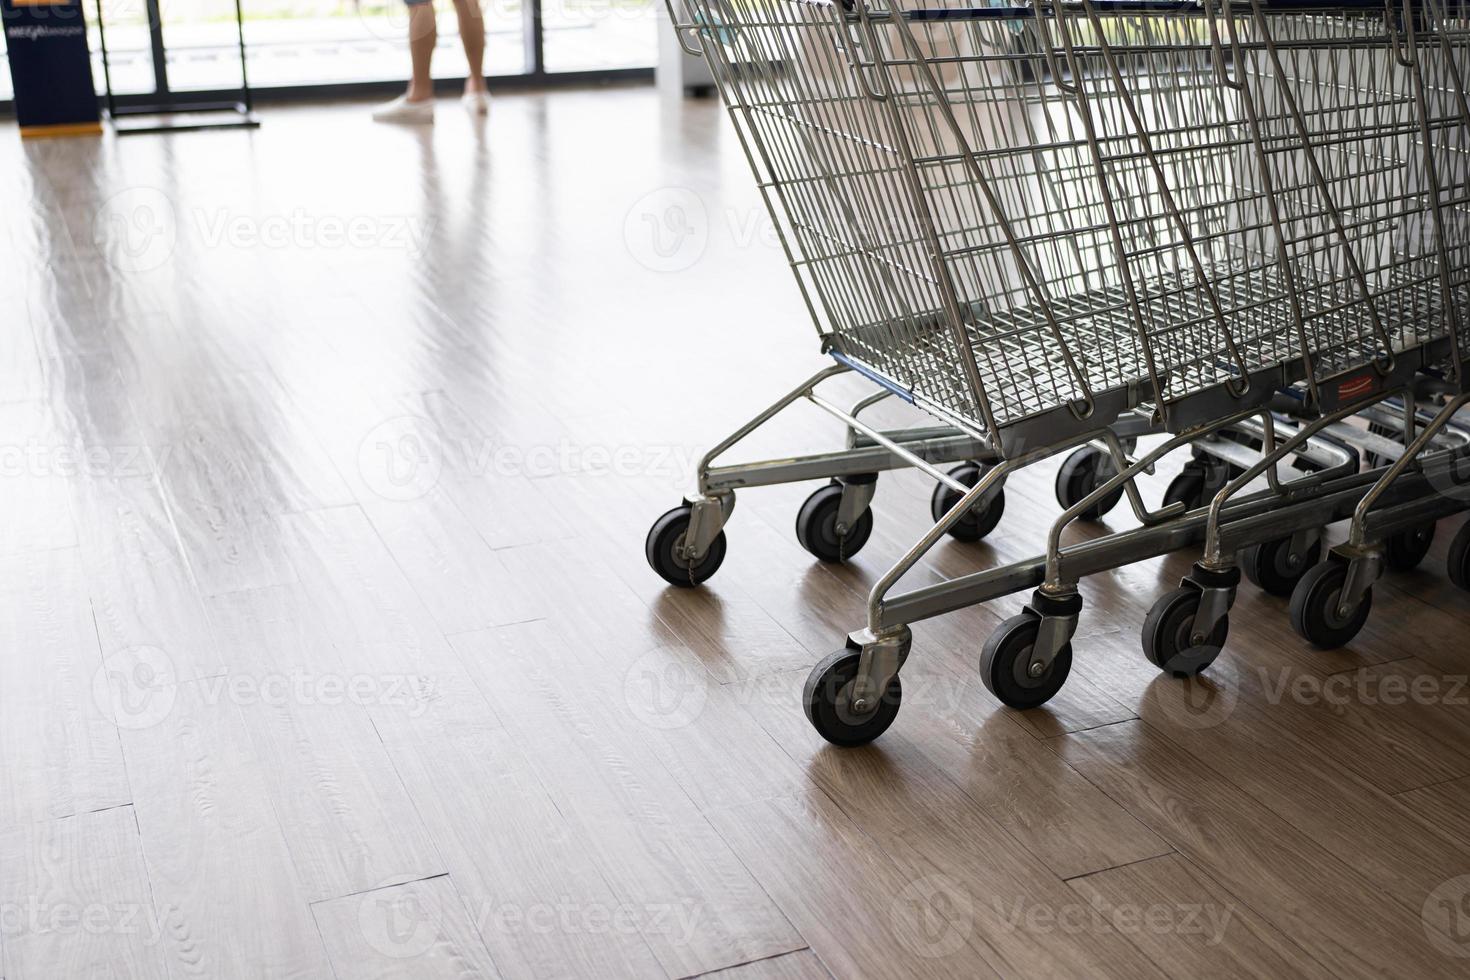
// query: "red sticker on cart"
[[1353, 387]]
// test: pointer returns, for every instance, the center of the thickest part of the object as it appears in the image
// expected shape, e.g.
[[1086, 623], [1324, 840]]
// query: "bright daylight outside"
[[311, 42]]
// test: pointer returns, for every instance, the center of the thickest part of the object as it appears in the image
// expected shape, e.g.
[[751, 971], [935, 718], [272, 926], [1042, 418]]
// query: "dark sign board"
[[51, 67]]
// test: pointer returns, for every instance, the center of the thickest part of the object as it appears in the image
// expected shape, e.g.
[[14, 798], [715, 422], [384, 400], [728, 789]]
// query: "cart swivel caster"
[[1027, 659], [1083, 472], [1332, 601], [982, 518], [835, 522], [1185, 630], [1197, 482], [1404, 550], [681, 558], [1458, 564], [840, 706], [1276, 566]]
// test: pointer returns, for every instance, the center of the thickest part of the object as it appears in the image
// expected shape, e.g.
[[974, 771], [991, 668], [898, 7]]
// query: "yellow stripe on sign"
[[61, 129]]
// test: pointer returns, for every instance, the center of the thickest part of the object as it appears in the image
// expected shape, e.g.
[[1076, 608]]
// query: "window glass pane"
[[586, 35], [315, 42], [129, 50]]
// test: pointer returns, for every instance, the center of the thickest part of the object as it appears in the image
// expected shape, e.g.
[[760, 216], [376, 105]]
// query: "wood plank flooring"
[[328, 648]]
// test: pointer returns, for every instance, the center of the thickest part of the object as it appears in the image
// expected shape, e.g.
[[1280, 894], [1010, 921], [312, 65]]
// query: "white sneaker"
[[400, 110], [476, 103]]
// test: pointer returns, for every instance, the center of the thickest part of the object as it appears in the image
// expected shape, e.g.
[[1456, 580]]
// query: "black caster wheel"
[[1188, 488], [816, 526], [1195, 484], [825, 700], [1314, 612], [1168, 640], [1198, 482], [662, 549], [1005, 665], [1404, 550], [980, 521], [1274, 569], [1458, 564], [1083, 472]]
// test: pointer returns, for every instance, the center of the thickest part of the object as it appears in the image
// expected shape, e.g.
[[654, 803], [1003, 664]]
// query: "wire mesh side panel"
[[950, 222], [1343, 146], [1072, 199], [1441, 55], [827, 158], [1194, 262], [1003, 164]]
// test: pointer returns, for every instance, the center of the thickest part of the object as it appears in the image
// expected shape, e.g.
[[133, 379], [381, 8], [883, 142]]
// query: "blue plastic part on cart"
[[874, 376]]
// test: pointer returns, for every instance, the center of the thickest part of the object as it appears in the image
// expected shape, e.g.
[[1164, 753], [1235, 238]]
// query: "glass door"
[[309, 44], [129, 44], [322, 42]]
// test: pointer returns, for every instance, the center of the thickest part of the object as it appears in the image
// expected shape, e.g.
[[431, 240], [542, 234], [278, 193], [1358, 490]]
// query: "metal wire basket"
[[1030, 219]]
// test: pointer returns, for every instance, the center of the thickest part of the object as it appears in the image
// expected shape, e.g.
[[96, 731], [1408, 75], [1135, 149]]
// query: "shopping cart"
[[1364, 120], [1049, 225]]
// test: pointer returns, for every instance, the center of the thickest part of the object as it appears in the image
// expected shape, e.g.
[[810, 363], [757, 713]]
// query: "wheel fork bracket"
[[856, 496], [881, 657], [1363, 569], [1058, 615], [1301, 542], [1217, 594], [1214, 605], [707, 516]]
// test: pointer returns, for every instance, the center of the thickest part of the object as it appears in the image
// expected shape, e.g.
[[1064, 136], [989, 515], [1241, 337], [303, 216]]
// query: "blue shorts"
[[416, 3]]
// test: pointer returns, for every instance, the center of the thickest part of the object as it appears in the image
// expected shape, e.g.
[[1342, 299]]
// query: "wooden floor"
[[328, 647]]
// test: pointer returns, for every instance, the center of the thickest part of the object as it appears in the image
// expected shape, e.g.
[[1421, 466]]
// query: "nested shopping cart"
[[1062, 225], [1361, 128]]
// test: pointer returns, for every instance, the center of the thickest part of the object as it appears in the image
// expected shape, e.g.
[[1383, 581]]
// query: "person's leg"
[[472, 35], [417, 104], [423, 34]]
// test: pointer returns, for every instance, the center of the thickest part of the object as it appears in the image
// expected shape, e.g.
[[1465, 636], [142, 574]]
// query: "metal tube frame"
[[1055, 583], [1262, 515], [1357, 534], [1271, 457], [883, 450]]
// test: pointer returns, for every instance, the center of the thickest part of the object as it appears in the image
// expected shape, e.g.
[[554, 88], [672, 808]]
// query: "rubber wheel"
[[662, 550], [1198, 481], [981, 520], [826, 703], [1404, 550], [1273, 568], [1083, 472], [1458, 565], [816, 527], [1167, 640], [1314, 607], [1188, 488], [1005, 662]]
